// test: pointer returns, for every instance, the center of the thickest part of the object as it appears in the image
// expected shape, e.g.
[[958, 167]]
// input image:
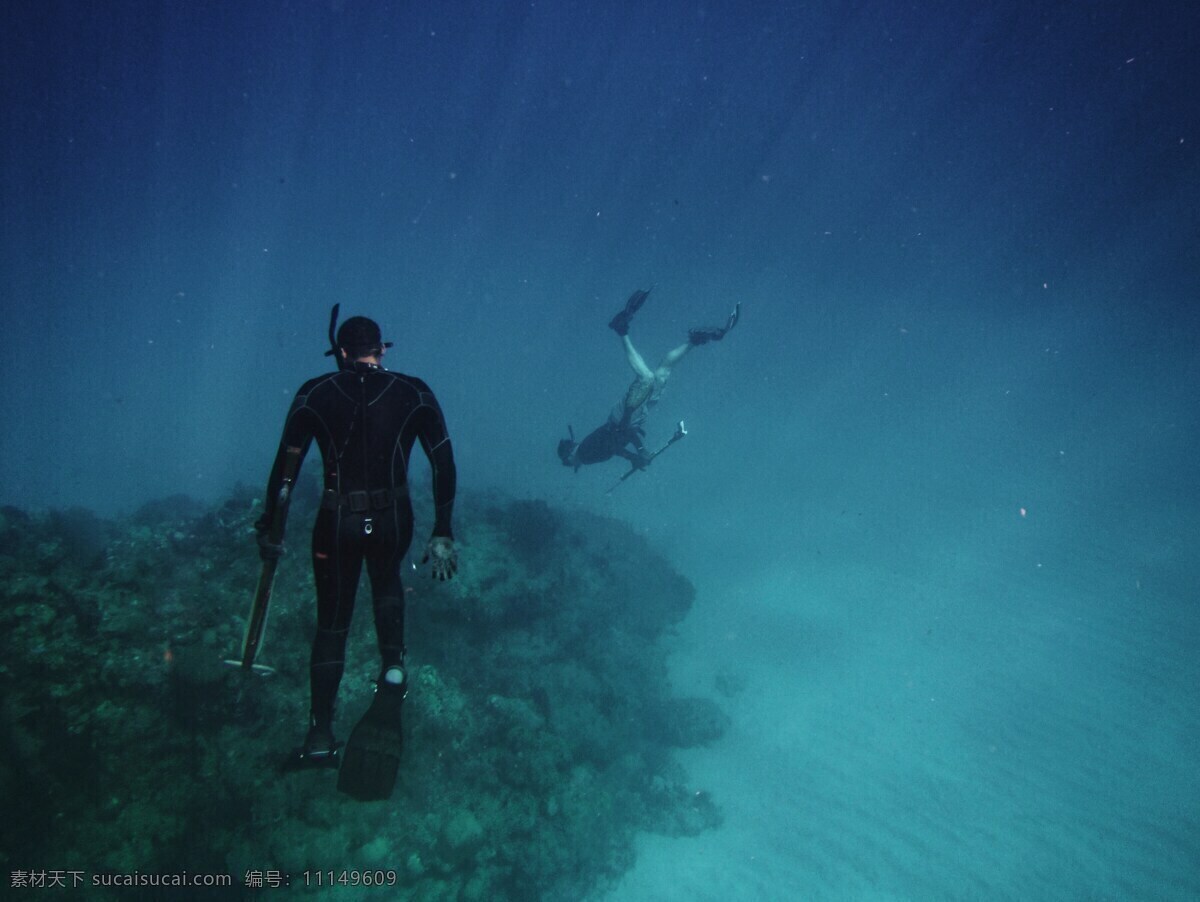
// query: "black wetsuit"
[[623, 430], [611, 440], [365, 421]]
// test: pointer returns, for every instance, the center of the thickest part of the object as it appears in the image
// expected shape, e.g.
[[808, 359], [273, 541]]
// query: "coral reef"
[[539, 727]]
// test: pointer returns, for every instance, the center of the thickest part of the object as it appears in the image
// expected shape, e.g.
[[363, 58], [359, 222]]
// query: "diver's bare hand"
[[444, 555]]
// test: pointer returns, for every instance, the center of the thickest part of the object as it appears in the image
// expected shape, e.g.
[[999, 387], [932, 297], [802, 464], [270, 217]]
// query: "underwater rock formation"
[[539, 725]]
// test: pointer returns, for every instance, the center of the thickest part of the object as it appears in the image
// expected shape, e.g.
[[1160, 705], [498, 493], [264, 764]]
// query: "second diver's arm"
[[639, 459]]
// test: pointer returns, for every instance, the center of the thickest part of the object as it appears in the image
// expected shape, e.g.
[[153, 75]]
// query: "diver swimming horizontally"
[[622, 433], [365, 420]]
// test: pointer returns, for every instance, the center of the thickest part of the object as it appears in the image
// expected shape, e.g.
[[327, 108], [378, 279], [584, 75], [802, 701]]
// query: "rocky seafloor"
[[540, 726]]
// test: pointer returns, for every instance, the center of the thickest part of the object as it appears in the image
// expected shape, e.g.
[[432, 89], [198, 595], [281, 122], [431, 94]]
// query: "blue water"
[[939, 496]]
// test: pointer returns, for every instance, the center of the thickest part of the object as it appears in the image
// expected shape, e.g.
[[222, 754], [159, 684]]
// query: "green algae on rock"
[[538, 732]]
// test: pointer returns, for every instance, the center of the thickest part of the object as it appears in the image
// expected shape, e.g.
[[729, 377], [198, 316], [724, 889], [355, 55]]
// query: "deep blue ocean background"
[[940, 494]]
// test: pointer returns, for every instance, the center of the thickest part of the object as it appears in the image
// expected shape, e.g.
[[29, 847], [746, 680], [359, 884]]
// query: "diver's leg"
[[635, 359], [385, 553], [673, 357], [371, 759], [337, 563]]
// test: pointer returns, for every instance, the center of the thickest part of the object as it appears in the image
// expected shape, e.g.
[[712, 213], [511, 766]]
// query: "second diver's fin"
[[620, 322], [714, 333], [371, 757]]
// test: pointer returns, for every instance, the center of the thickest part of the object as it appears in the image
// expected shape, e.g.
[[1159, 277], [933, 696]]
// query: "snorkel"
[[342, 363], [358, 339]]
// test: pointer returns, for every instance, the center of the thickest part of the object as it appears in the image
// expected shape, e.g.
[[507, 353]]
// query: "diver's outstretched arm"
[[639, 459]]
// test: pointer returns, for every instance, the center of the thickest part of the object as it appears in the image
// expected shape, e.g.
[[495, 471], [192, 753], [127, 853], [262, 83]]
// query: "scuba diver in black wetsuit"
[[621, 435], [365, 420]]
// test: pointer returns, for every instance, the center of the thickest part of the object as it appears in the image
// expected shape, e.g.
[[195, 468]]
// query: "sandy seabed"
[[1004, 721]]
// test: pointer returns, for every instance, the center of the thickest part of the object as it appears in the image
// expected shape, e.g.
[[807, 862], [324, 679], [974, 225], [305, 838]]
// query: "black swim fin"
[[620, 322], [371, 757], [320, 750], [714, 333]]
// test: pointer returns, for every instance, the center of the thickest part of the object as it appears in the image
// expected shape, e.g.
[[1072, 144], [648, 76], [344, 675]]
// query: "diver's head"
[[566, 453], [359, 337]]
